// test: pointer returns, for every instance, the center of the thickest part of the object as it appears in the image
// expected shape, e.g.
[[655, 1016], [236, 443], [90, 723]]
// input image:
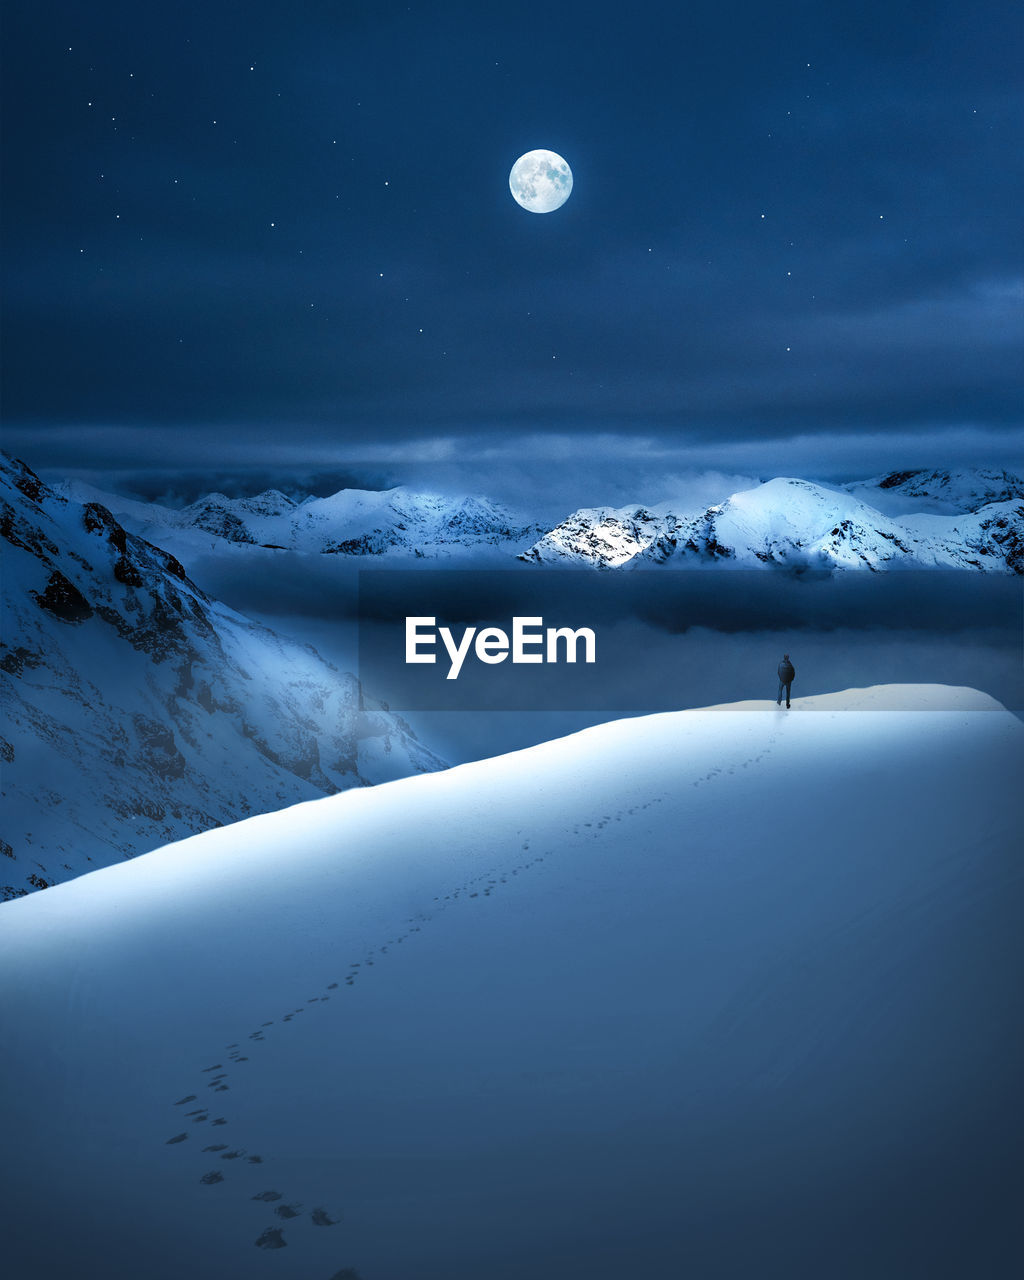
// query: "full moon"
[[540, 181]]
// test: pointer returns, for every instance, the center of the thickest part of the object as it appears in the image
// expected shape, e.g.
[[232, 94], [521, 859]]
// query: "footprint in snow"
[[272, 1238], [322, 1219]]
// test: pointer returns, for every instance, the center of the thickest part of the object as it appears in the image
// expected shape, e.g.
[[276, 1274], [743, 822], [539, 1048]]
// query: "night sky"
[[276, 242]]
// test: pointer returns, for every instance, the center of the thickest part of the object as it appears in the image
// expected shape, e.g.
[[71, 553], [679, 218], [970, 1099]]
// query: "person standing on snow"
[[786, 673]]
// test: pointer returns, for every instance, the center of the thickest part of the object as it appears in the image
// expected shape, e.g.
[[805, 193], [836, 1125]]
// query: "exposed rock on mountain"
[[791, 523], [138, 710]]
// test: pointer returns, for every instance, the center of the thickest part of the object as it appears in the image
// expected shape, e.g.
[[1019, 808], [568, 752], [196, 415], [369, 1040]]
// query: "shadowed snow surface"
[[719, 993]]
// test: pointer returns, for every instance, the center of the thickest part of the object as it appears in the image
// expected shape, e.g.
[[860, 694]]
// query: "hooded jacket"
[[786, 671]]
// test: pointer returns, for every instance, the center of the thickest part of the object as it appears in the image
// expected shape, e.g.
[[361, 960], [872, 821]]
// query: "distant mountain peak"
[[794, 523], [876, 523], [398, 522]]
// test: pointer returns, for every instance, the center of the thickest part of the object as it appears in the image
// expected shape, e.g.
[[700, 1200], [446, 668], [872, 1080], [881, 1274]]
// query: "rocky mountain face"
[[138, 710], [791, 522], [353, 522]]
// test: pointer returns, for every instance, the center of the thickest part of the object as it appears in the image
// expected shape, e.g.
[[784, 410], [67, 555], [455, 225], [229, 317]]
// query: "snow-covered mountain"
[[788, 522], [138, 710], [937, 492], [721, 993], [882, 523], [398, 523]]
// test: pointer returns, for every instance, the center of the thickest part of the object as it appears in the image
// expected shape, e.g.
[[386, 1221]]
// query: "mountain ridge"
[[351, 522], [140, 709], [791, 523], [969, 519]]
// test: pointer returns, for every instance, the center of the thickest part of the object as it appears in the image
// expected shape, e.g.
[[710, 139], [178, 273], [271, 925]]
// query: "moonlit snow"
[[719, 993], [792, 523]]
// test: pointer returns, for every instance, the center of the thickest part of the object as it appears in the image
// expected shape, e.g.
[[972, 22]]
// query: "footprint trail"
[[478, 887]]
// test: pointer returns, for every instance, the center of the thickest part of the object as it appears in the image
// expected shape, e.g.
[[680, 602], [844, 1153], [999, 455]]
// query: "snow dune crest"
[[548, 782]]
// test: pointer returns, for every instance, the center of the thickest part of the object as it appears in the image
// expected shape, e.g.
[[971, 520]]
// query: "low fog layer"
[[665, 641]]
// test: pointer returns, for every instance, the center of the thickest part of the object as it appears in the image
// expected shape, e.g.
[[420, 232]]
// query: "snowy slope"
[[937, 492], [788, 522], [138, 710], [729, 993], [396, 522]]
